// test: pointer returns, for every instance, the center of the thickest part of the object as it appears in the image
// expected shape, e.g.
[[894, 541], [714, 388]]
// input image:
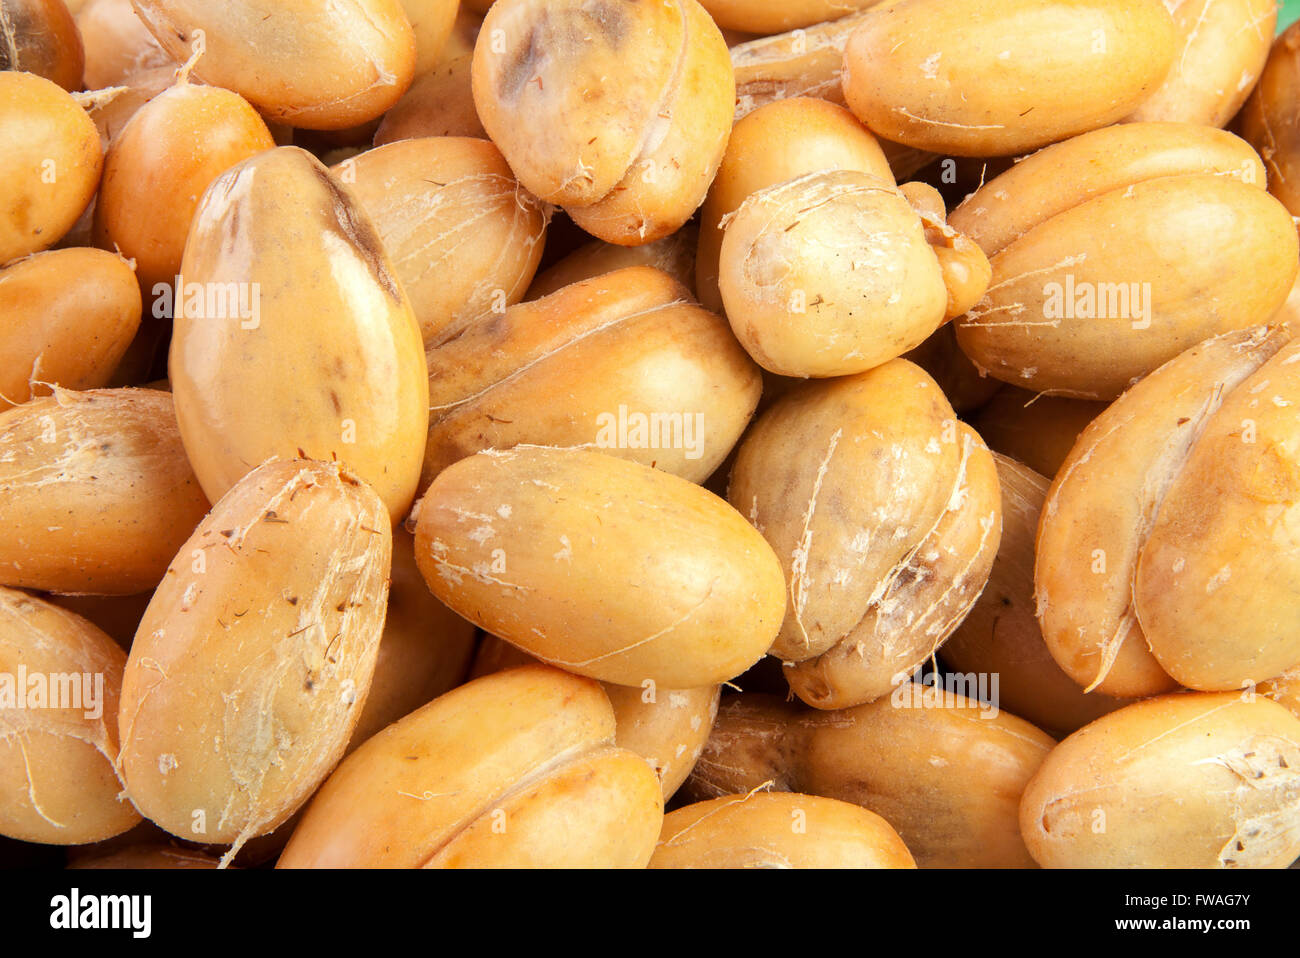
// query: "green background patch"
[[1289, 13]]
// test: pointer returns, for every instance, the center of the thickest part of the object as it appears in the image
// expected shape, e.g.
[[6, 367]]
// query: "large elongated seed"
[[292, 336], [248, 675]]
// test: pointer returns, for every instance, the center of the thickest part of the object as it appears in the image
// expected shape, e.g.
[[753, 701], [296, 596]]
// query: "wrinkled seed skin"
[[923, 599], [806, 63], [57, 783], [571, 154], [604, 567], [248, 675], [1197, 780], [334, 368], [844, 478], [96, 493]]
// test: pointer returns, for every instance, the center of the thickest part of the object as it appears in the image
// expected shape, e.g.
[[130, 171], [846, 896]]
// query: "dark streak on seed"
[[358, 231], [552, 36], [511, 79]]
